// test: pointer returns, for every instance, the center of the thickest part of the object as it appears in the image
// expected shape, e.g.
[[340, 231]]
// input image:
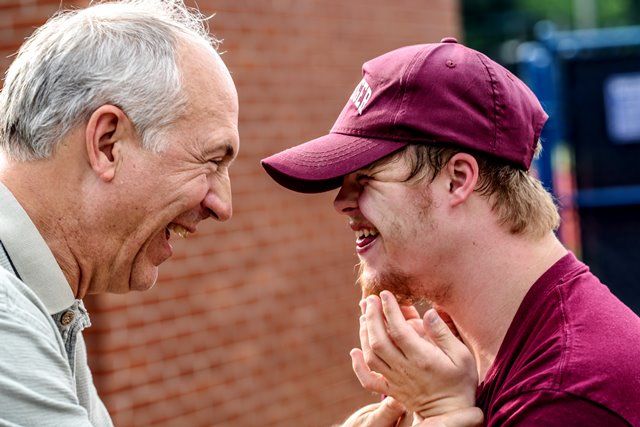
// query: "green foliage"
[[560, 12], [613, 13], [488, 24]]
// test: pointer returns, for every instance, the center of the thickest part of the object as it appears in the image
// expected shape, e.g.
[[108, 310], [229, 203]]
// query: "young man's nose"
[[347, 199]]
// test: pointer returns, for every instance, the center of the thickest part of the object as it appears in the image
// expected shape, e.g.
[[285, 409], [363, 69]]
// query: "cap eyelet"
[[450, 63]]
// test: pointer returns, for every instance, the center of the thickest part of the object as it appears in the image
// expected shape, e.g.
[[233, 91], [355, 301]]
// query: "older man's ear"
[[107, 128]]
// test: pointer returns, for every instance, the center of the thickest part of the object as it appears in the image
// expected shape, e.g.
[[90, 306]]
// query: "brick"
[[252, 320]]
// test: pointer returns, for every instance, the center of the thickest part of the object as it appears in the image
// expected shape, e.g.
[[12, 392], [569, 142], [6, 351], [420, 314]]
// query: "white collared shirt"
[[44, 376]]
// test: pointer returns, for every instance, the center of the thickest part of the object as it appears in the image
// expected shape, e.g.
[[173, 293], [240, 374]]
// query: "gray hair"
[[122, 53]]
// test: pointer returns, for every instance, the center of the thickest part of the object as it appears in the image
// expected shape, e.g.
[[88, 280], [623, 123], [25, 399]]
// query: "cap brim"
[[319, 165]]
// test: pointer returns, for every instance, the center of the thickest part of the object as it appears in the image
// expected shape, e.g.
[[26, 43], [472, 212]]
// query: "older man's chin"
[[145, 279], [146, 264], [143, 273]]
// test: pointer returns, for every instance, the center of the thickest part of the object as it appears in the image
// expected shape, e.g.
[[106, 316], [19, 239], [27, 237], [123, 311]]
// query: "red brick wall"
[[252, 320]]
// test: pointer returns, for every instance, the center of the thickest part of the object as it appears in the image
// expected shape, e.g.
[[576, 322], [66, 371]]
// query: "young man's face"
[[396, 223]]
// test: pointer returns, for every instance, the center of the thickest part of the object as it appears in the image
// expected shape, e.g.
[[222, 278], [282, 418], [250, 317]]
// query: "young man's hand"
[[432, 375]]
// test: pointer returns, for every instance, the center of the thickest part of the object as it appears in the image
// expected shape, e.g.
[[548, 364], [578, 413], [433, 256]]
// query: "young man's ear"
[[462, 172], [106, 129]]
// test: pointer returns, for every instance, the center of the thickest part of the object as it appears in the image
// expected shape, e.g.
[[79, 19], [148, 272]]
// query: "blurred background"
[[252, 320]]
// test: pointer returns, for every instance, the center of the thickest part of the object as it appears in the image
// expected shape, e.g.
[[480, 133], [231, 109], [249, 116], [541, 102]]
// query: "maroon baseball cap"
[[439, 93]]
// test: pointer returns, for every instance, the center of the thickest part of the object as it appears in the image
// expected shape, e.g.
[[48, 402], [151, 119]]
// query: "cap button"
[[449, 40]]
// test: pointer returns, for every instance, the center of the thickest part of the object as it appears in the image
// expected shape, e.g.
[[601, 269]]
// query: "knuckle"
[[376, 345], [375, 365], [370, 359], [440, 331], [466, 359], [396, 333], [423, 364]]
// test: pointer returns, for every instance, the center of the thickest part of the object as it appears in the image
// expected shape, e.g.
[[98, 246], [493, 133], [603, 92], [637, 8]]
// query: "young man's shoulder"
[[579, 330], [600, 343], [572, 347]]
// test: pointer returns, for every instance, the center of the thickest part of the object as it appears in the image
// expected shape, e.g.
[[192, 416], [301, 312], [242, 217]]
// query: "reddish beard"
[[406, 288], [396, 282]]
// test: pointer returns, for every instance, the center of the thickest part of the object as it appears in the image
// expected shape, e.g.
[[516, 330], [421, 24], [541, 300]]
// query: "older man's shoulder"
[[21, 308]]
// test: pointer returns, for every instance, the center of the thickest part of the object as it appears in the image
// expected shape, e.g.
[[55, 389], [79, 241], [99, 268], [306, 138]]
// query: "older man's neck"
[[491, 286], [41, 189]]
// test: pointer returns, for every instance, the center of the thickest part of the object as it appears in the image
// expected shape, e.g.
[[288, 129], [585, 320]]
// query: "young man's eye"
[[362, 178]]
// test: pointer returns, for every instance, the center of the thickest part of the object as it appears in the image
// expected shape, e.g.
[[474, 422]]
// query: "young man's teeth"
[[365, 233], [179, 230]]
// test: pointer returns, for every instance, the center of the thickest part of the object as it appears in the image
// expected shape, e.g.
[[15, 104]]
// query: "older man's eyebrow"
[[226, 147]]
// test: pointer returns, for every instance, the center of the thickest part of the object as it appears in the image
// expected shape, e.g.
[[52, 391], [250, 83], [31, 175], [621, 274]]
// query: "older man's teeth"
[[179, 230]]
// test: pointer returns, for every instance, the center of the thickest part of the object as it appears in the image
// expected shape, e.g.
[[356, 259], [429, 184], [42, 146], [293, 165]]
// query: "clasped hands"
[[418, 363]]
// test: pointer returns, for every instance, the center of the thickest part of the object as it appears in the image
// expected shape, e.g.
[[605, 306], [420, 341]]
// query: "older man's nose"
[[218, 206]]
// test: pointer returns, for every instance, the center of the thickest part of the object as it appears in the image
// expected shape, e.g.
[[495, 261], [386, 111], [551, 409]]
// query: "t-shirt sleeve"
[[552, 409], [36, 383]]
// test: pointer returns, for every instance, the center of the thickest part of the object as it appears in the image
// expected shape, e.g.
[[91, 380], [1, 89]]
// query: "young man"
[[117, 127], [431, 154]]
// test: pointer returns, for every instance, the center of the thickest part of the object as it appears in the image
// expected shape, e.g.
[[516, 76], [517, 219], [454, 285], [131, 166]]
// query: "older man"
[[117, 128], [431, 155]]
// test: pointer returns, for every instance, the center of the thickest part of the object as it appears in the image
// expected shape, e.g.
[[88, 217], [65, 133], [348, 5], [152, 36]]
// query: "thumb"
[[440, 333], [387, 413]]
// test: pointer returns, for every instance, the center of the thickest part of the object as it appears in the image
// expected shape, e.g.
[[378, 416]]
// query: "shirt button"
[[67, 317], [449, 40]]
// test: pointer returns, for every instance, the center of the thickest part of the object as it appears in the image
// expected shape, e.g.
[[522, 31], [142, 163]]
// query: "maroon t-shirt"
[[571, 356]]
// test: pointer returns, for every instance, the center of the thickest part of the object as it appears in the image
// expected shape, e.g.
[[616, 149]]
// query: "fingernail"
[[384, 295], [363, 306], [432, 315]]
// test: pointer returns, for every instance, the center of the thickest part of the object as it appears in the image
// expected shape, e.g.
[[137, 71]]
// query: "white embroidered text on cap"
[[361, 95]]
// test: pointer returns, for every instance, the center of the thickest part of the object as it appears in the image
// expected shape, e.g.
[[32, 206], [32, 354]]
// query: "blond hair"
[[518, 198]]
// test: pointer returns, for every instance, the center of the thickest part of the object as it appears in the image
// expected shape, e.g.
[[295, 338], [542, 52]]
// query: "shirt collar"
[[31, 256]]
